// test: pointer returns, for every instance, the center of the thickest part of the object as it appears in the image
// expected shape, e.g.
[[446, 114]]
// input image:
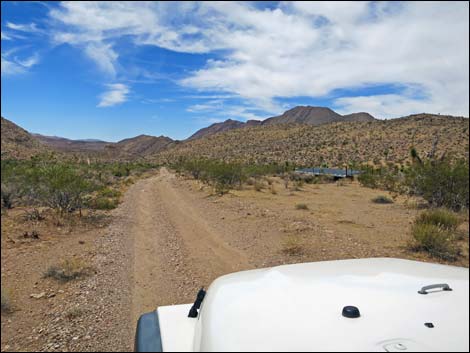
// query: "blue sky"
[[112, 70]]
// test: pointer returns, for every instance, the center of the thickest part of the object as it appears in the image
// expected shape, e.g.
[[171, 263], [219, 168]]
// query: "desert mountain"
[[17, 142], [140, 146], [67, 145], [299, 115], [375, 142], [135, 147], [216, 128]]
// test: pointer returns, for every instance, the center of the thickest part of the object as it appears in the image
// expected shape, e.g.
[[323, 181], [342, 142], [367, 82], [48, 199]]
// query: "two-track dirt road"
[[176, 250]]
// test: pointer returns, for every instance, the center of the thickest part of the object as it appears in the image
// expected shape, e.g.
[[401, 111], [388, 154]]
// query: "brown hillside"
[[377, 142], [17, 142]]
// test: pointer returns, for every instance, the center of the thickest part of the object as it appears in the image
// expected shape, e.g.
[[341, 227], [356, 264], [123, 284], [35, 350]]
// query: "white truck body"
[[299, 308]]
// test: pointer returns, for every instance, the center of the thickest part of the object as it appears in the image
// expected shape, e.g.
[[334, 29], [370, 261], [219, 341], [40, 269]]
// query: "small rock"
[[38, 296]]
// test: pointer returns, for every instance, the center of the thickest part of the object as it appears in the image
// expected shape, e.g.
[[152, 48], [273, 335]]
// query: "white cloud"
[[30, 27], [14, 65], [297, 49], [5, 36], [29, 62], [11, 68], [116, 94], [104, 56]]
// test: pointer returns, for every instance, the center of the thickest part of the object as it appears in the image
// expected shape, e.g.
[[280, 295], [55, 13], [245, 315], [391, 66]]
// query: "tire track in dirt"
[[176, 250]]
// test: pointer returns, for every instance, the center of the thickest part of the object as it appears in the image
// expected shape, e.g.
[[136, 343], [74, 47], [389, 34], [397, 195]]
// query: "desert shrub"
[[226, 175], [382, 199], [441, 182], [292, 245], [437, 241], [369, 178], [301, 206], [440, 217], [5, 301], [74, 313], [62, 187], [68, 270], [108, 192], [104, 203], [258, 185], [387, 178]]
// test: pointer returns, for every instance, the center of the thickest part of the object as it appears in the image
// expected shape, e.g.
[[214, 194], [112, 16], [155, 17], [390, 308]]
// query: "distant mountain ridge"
[[68, 145], [307, 115]]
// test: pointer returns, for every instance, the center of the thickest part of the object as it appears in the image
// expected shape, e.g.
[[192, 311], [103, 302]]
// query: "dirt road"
[[176, 251]]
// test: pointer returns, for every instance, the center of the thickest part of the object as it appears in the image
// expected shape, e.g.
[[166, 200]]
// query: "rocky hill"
[[375, 142], [216, 128], [139, 146], [17, 142], [299, 115]]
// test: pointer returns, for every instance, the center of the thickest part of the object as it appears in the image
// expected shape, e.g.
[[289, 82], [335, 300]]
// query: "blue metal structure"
[[335, 172]]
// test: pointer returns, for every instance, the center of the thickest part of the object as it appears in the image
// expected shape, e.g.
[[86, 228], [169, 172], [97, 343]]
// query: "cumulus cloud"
[[116, 94], [305, 49]]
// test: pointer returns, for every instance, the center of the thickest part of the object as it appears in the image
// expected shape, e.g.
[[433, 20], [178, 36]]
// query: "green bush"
[[107, 192], [441, 182], [438, 242], [440, 217]]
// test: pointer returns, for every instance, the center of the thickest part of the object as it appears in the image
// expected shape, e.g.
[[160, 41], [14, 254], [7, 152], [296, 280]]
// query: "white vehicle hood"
[[299, 308]]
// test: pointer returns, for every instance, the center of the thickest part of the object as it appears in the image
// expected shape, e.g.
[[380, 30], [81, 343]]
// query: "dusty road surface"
[[176, 250]]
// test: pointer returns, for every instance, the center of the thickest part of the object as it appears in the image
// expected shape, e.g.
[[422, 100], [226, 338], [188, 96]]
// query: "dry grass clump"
[[292, 245], [434, 232], [440, 217], [68, 270]]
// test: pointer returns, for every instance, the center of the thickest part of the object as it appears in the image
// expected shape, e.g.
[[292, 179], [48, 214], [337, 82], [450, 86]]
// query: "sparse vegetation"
[[437, 241], [66, 186], [441, 218], [317, 145], [68, 270], [443, 183], [224, 176], [382, 199], [292, 245]]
